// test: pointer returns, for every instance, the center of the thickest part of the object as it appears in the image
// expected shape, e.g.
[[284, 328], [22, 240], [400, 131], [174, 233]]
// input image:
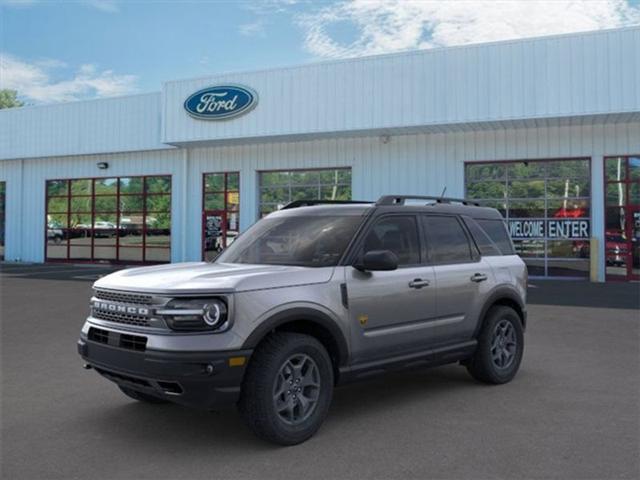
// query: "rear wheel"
[[500, 347], [287, 388], [140, 396]]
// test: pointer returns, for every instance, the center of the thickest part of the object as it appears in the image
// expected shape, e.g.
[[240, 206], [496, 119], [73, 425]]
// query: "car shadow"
[[171, 427]]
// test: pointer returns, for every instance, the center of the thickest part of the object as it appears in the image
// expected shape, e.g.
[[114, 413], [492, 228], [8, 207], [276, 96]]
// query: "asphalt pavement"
[[573, 411]]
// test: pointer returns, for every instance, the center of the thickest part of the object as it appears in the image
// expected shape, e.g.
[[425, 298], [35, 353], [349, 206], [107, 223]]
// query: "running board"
[[425, 358]]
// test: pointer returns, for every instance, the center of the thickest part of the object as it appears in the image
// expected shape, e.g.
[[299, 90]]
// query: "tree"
[[9, 99]]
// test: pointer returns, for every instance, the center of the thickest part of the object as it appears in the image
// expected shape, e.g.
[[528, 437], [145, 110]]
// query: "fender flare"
[[306, 314], [502, 293]]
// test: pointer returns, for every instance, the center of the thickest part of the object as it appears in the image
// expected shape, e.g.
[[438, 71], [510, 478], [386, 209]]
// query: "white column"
[[248, 196], [597, 211]]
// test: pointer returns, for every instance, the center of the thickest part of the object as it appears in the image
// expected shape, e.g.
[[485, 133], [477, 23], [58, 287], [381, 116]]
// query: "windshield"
[[308, 241]]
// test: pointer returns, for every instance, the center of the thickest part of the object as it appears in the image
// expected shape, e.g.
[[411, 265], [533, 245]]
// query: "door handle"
[[418, 283], [478, 277]]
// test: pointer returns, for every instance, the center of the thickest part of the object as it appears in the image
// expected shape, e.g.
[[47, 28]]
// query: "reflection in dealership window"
[[109, 219], [622, 217], [277, 188], [547, 205], [2, 215]]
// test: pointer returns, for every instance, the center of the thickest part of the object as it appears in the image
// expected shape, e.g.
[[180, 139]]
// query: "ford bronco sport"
[[314, 295]]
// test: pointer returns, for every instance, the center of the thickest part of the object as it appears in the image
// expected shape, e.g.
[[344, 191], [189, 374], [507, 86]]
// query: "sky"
[[57, 51]]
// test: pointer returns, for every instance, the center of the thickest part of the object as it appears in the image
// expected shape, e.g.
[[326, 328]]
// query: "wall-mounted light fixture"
[[103, 165]]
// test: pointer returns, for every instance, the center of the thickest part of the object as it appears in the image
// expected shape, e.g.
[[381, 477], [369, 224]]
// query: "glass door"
[[622, 216], [220, 212], [634, 244], [214, 233]]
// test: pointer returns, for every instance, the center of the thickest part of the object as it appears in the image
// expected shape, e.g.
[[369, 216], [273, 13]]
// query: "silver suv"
[[315, 295]]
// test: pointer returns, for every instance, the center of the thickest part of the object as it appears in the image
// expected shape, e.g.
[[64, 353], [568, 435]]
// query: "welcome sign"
[[221, 102], [556, 229]]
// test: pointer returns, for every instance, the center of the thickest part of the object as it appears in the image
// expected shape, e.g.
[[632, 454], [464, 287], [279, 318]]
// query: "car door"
[[389, 310], [463, 279]]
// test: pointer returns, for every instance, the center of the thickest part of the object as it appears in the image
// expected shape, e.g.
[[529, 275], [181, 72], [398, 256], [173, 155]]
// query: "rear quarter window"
[[487, 247], [497, 232]]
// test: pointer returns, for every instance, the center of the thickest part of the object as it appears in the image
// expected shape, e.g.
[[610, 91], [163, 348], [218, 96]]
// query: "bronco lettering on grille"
[[112, 307]]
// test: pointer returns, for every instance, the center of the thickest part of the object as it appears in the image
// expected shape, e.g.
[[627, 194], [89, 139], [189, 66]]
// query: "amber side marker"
[[237, 361]]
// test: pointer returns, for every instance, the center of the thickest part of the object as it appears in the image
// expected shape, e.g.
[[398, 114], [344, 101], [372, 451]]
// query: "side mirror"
[[377, 260]]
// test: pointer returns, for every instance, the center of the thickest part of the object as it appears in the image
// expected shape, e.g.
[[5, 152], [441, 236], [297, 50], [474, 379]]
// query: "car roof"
[[362, 208]]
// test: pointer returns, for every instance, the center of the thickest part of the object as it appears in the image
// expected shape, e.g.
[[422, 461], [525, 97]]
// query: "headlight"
[[202, 314]]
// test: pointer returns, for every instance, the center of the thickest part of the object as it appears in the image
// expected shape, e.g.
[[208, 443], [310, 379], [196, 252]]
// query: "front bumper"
[[196, 379]]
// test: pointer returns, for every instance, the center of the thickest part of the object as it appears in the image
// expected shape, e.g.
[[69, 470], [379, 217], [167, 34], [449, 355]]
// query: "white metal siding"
[[554, 77], [97, 126], [410, 164], [26, 205], [421, 164]]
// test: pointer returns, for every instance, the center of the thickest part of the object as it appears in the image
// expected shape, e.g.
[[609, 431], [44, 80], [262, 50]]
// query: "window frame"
[[289, 184], [3, 217], [505, 178], [144, 213], [226, 209], [627, 207]]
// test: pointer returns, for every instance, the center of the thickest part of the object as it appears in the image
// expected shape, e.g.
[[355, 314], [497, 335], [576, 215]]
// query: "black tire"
[[267, 372], [488, 364], [140, 396]]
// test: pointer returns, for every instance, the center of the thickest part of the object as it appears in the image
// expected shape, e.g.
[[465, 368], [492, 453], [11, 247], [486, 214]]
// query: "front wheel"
[[500, 347], [287, 388]]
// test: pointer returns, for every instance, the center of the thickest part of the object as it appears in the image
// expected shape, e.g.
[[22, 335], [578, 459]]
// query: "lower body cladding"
[[207, 380]]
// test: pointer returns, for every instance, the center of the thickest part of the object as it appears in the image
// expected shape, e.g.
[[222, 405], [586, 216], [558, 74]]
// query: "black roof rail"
[[310, 203], [400, 200]]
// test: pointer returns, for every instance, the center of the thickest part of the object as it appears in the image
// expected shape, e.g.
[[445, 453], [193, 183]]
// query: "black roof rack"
[[400, 200], [310, 203]]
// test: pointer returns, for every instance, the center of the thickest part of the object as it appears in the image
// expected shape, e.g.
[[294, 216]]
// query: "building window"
[[220, 212], [120, 219], [622, 217], [3, 187], [277, 188], [547, 205]]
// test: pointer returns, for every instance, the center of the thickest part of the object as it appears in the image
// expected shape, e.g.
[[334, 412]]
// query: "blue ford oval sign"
[[221, 102]]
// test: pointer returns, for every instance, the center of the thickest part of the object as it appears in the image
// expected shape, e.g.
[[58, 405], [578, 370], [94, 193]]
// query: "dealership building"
[[546, 130]]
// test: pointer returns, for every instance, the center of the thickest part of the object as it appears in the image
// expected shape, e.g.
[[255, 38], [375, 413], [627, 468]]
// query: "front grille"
[[122, 340], [127, 319], [133, 342], [131, 298], [98, 335]]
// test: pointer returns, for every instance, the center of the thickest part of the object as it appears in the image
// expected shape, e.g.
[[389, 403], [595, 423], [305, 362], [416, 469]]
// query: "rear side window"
[[448, 243], [487, 247], [498, 234]]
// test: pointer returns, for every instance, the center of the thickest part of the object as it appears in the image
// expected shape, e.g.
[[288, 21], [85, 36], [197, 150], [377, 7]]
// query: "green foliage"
[[9, 99]]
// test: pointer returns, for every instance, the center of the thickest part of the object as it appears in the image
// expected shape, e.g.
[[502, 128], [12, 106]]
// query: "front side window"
[[398, 234], [448, 243], [305, 241], [277, 188]]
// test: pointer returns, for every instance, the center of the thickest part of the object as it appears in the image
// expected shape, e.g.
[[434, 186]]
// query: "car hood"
[[198, 277]]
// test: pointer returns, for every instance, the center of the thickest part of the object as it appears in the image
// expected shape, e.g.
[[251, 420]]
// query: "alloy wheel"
[[296, 389], [504, 344]]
